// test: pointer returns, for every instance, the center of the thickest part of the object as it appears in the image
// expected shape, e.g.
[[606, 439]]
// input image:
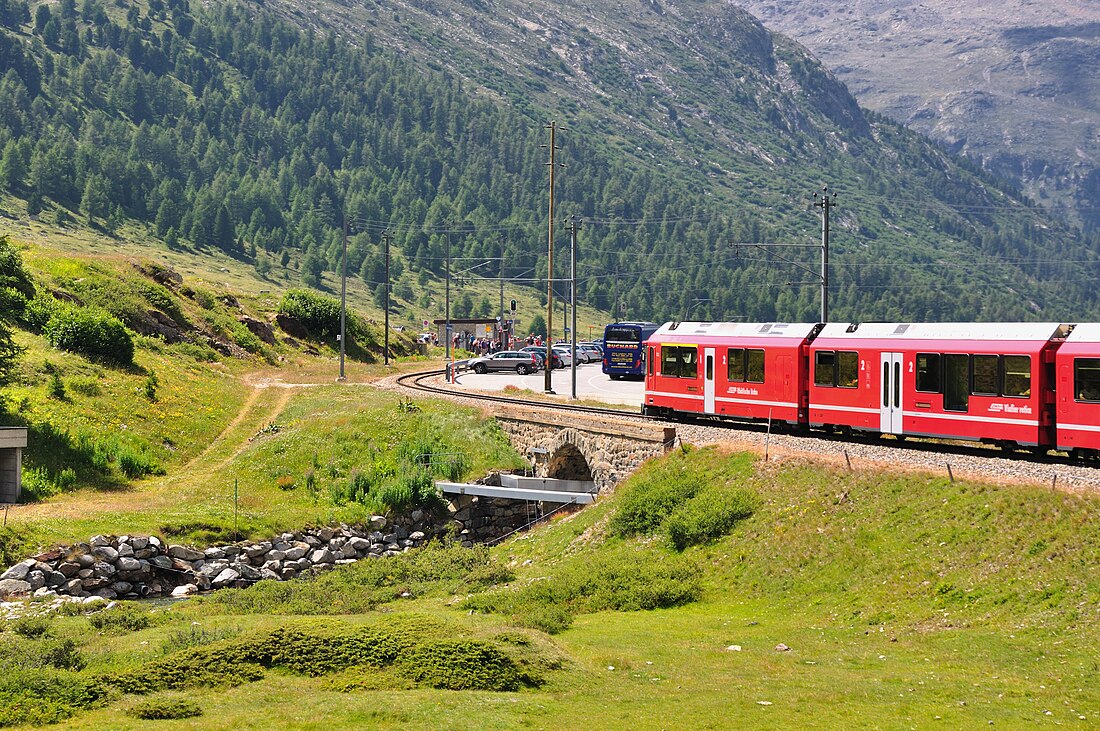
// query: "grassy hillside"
[[255, 131], [902, 600]]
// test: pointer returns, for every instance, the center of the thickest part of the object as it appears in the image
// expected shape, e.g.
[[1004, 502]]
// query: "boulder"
[[227, 577], [184, 553], [185, 590], [14, 588], [19, 571], [321, 556]]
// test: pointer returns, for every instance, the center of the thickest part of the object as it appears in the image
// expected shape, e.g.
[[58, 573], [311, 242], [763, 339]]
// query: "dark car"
[[540, 352], [505, 360]]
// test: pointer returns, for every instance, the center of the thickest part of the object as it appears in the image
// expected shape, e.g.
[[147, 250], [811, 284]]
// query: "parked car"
[[506, 360], [540, 352], [563, 351], [595, 355]]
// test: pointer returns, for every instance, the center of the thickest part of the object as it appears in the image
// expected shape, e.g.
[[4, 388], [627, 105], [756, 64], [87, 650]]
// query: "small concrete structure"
[[536, 489], [12, 441]]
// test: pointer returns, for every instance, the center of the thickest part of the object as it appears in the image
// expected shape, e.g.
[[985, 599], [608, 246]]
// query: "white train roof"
[[690, 330], [1009, 331], [1086, 332]]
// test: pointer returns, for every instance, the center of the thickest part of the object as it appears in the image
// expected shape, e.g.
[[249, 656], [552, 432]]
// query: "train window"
[[847, 369], [985, 376], [735, 365], [1086, 379], [1016, 375], [824, 368], [754, 366], [679, 362], [670, 362], [928, 373], [649, 361], [956, 382]]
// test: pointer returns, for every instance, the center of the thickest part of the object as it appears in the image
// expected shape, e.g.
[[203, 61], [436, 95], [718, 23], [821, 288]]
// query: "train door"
[[708, 381], [890, 404]]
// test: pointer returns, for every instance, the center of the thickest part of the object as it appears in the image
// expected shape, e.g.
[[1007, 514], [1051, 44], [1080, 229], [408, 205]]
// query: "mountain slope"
[[690, 126], [1010, 83]]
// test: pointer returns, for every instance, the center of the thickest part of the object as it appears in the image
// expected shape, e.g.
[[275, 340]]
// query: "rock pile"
[[133, 567]]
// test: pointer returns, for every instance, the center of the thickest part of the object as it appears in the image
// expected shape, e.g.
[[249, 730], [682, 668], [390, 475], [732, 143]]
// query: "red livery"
[[1034, 385]]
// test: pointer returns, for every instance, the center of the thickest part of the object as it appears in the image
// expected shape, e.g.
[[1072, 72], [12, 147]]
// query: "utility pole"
[[548, 385], [386, 348], [447, 328], [574, 226], [503, 344], [343, 297], [825, 203]]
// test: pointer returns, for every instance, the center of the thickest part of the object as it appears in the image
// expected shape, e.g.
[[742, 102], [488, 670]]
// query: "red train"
[[1030, 385]]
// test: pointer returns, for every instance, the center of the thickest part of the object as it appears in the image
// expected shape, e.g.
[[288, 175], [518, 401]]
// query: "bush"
[[318, 314], [31, 627], [709, 515], [90, 332], [461, 665], [120, 620], [157, 709], [41, 697], [623, 581]]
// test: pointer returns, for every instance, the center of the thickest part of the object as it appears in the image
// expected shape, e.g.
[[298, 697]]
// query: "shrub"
[[39, 311], [31, 626], [120, 620], [285, 482], [318, 314], [56, 388], [90, 332], [41, 697], [23, 653], [648, 502], [461, 665], [622, 581], [157, 709], [709, 515]]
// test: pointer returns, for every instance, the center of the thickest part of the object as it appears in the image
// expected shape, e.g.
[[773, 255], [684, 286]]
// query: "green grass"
[[905, 601]]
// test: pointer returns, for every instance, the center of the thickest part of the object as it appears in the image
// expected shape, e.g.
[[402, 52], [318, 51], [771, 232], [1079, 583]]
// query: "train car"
[[977, 381], [744, 371], [623, 349], [1078, 392]]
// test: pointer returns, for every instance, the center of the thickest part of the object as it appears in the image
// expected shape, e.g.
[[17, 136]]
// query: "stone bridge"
[[570, 446]]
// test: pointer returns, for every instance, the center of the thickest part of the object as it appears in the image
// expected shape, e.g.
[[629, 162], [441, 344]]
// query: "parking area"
[[592, 384]]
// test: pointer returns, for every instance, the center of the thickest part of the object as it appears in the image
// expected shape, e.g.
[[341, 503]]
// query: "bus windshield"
[[623, 334]]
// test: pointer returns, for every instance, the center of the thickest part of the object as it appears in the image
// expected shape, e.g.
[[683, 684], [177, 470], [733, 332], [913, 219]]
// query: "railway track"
[[956, 459]]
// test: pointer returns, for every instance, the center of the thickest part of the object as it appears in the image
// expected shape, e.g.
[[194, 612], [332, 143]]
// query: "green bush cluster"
[[462, 665], [163, 709], [18, 652], [690, 506], [414, 649], [120, 619], [90, 332], [38, 697], [623, 580], [317, 313]]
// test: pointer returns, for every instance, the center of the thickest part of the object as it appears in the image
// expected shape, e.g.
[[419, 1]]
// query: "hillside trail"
[[263, 405]]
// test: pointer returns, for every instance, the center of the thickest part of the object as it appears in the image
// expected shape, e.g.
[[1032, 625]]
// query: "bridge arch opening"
[[569, 463]]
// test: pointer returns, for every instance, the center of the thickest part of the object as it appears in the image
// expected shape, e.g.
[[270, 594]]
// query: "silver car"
[[505, 360]]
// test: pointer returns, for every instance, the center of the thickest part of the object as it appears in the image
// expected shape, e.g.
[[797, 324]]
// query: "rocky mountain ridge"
[[1011, 83]]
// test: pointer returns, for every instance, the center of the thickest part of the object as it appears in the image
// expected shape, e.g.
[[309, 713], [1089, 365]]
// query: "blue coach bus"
[[623, 351]]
